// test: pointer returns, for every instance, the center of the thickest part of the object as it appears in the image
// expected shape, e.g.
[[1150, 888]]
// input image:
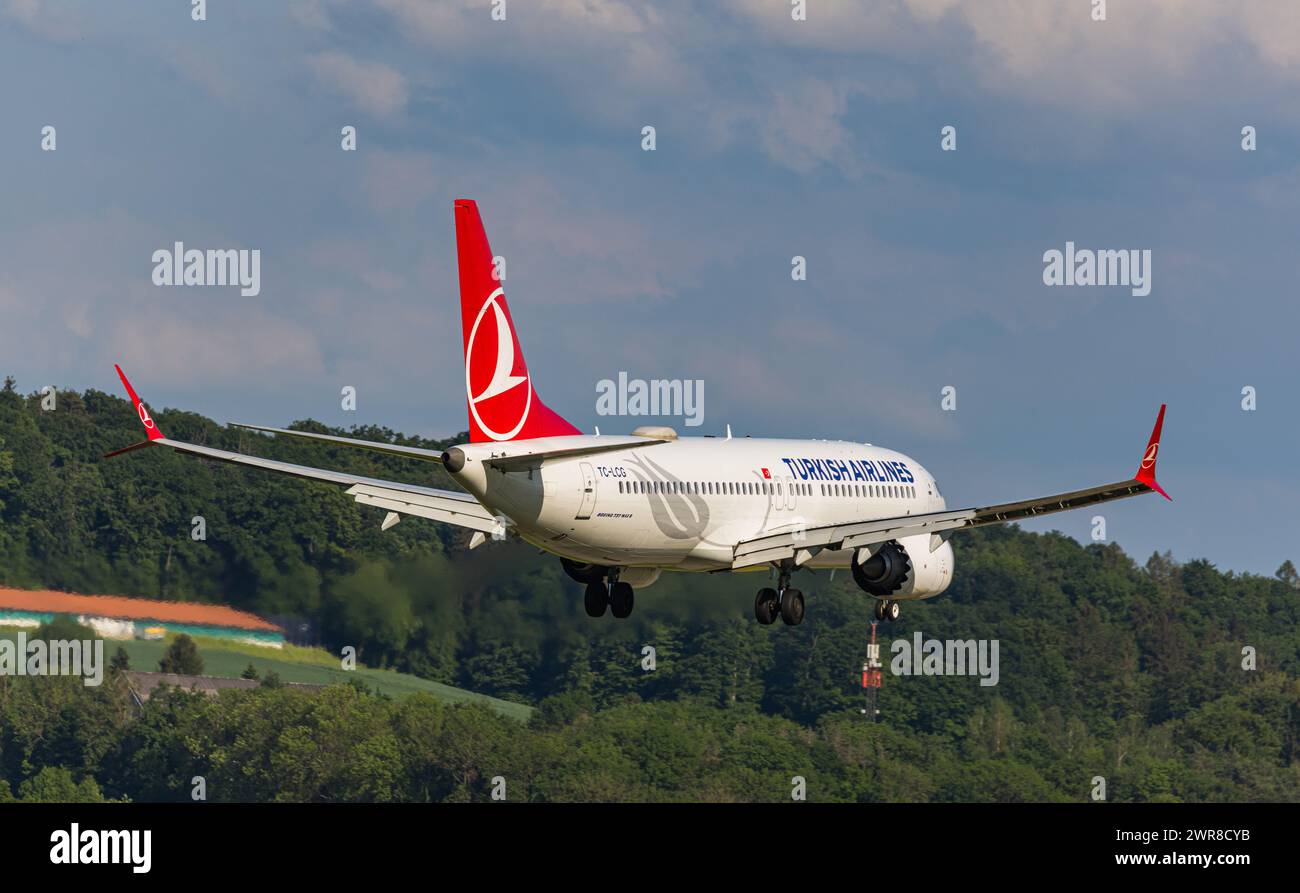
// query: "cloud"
[[801, 126], [311, 14], [371, 86], [1050, 53], [227, 345], [398, 181], [202, 66], [51, 21]]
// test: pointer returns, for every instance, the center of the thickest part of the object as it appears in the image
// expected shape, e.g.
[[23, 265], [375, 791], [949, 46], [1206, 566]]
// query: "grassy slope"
[[293, 664]]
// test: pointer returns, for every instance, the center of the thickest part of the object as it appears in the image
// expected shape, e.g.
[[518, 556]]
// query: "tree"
[[182, 657], [64, 628], [1287, 574], [120, 662], [250, 672], [55, 784]]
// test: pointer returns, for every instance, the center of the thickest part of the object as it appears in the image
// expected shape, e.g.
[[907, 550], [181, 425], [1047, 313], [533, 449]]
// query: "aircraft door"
[[588, 492]]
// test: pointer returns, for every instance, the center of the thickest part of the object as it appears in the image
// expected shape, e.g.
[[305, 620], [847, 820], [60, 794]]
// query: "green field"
[[293, 664]]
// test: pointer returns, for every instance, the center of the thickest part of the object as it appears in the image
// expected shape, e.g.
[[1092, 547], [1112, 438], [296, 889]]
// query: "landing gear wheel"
[[792, 607], [620, 600], [596, 599], [766, 606], [892, 610], [881, 606]]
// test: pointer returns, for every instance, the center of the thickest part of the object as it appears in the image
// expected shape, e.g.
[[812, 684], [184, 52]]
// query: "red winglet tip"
[[150, 427], [1146, 472]]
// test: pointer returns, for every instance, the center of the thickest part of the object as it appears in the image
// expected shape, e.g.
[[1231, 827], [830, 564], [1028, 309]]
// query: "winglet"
[[147, 420], [1146, 472]]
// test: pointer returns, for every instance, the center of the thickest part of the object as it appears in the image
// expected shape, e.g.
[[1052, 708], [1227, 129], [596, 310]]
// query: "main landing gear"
[[610, 593], [604, 590], [784, 600], [887, 609]]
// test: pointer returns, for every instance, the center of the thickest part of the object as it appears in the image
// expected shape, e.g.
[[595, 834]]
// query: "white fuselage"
[[684, 504]]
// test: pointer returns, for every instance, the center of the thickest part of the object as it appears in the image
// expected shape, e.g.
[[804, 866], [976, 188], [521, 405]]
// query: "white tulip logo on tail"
[[144, 416], [1150, 458], [503, 377]]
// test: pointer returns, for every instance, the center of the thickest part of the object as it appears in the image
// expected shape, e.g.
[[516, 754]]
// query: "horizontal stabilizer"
[[377, 446]]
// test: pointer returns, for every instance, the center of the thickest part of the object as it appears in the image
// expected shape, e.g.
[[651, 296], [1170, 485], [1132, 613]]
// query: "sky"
[[774, 138]]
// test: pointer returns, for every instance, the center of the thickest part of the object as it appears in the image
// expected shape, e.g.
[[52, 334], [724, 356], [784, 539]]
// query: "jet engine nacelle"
[[636, 577], [905, 568], [639, 577]]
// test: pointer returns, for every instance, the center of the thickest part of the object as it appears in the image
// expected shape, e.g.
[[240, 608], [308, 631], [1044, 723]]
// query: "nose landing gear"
[[887, 609], [784, 600]]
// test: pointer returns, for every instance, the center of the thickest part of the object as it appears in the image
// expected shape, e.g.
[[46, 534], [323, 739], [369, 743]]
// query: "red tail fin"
[[1146, 472], [145, 419], [503, 404]]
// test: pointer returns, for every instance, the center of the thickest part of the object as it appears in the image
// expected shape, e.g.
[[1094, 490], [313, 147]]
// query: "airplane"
[[617, 510]]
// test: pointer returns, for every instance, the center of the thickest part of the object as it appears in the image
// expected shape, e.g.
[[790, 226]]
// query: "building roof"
[[123, 608]]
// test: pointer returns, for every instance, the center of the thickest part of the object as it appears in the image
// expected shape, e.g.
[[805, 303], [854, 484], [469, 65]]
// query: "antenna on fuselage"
[[728, 432]]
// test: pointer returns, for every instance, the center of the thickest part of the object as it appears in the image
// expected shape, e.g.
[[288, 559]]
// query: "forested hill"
[[1104, 662]]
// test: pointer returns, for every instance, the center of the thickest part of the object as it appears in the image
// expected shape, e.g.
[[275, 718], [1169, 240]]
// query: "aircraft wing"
[[800, 545], [527, 455], [447, 506], [393, 449]]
